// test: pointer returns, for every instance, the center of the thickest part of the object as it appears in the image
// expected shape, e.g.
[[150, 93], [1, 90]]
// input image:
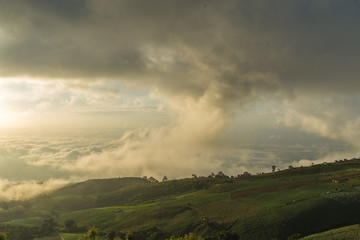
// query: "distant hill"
[[99, 186], [291, 203]]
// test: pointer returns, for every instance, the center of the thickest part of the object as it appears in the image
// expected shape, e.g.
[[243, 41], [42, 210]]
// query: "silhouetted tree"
[[164, 179], [244, 175], [152, 180], [273, 167], [194, 175], [220, 174]]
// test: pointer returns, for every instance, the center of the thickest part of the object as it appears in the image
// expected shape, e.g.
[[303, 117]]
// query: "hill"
[[293, 203], [343, 233]]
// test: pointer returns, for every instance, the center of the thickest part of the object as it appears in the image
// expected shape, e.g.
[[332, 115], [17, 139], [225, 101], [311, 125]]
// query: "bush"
[[191, 236], [3, 236]]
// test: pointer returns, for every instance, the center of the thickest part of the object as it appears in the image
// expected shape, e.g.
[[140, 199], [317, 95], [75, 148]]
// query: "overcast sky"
[[115, 88]]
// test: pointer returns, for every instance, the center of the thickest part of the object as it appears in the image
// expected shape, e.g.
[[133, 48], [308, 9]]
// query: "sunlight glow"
[[6, 117]]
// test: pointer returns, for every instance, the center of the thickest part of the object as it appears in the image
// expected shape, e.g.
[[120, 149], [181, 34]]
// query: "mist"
[[25, 190]]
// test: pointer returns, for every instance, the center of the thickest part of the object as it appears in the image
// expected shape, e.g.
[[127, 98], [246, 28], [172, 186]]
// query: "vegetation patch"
[[288, 204]]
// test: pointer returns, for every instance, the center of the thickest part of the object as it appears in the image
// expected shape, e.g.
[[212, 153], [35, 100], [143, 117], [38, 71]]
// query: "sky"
[[116, 88]]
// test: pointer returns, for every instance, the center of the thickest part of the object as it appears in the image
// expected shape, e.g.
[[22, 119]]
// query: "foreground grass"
[[344, 233], [70, 236]]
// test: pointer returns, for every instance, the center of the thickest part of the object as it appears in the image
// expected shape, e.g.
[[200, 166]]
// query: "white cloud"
[[24, 190], [331, 117], [43, 106]]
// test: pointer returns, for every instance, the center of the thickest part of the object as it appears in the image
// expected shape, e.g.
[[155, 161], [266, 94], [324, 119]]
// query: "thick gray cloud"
[[240, 48]]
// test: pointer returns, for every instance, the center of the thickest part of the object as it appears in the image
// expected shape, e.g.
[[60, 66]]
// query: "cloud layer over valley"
[[174, 88]]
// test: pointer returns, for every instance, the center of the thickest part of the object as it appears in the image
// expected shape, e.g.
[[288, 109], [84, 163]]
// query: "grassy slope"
[[70, 236], [308, 203], [343, 233]]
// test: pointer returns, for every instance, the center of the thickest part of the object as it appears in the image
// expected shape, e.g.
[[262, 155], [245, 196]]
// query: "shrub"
[[3, 236], [190, 236]]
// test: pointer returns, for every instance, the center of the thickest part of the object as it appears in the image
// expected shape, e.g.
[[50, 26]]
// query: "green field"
[[295, 202], [70, 236]]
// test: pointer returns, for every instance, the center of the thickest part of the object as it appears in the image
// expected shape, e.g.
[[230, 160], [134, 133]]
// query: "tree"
[[3, 236], [152, 180], [129, 236], [92, 233], [111, 235], [220, 174], [244, 175], [164, 179], [48, 226], [273, 167], [70, 225], [194, 176]]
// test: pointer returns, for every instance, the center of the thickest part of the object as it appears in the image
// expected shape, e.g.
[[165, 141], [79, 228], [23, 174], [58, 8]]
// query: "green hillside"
[[99, 186], [292, 203], [343, 233]]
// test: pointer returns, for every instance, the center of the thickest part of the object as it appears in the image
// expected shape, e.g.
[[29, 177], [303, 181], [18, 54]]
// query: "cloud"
[[335, 118], [176, 150], [19, 191], [204, 65], [229, 53], [238, 50], [235, 48], [27, 155]]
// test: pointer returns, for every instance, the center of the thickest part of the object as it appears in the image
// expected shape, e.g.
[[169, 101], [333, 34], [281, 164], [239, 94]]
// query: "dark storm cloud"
[[296, 61], [240, 49]]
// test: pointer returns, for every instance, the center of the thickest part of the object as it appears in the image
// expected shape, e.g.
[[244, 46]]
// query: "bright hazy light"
[[9, 116], [7, 119]]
